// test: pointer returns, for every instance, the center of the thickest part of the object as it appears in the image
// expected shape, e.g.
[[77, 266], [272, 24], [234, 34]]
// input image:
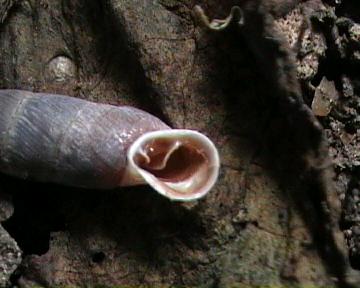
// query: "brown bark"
[[272, 217]]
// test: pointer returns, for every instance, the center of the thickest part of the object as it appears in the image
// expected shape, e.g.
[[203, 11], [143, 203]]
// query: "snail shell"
[[65, 140]]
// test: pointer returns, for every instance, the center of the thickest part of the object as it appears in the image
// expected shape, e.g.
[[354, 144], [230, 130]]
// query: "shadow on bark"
[[290, 140]]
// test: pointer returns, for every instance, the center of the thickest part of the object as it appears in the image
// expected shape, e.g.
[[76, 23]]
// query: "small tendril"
[[235, 17]]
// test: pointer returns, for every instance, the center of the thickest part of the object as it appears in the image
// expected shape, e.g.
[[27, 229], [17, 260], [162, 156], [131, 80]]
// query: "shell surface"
[[56, 138]]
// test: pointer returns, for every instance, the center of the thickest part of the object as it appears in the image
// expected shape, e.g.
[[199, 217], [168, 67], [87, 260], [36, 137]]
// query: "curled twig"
[[235, 17]]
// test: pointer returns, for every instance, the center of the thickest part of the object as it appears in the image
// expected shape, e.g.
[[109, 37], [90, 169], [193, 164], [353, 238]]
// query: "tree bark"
[[272, 217]]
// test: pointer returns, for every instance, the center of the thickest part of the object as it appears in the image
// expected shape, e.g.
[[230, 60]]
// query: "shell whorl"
[[56, 138]]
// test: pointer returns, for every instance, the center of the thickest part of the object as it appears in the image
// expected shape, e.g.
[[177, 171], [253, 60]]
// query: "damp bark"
[[273, 216]]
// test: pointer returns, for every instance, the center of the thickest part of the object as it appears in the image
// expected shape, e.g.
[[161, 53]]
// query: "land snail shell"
[[66, 140]]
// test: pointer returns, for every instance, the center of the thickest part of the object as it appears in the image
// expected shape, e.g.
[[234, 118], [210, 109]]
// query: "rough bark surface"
[[10, 253], [272, 217]]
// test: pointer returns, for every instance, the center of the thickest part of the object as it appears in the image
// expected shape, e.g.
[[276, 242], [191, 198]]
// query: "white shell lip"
[[197, 185]]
